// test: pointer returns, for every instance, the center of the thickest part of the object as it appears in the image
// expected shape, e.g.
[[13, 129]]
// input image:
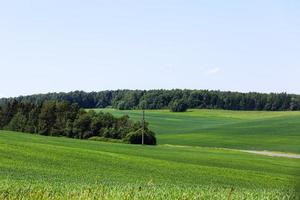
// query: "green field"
[[35, 166], [185, 165], [250, 130]]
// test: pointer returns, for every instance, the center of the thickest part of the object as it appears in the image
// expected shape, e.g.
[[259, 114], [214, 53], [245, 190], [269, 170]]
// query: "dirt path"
[[276, 154], [265, 153]]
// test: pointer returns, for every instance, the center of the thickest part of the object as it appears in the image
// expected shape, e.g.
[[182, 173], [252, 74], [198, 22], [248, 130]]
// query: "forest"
[[53, 118], [166, 99]]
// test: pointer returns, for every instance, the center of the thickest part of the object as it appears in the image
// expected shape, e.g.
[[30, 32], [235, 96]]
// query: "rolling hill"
[[198, 157], [250, 130], [34, 166]]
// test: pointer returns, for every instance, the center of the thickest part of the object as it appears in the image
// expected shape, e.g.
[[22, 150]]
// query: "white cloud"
[[214, 71]]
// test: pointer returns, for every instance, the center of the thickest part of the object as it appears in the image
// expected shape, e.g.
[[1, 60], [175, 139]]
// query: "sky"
[[61, 46]]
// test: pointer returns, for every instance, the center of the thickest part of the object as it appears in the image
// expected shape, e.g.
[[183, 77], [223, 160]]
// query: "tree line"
[[170, 99], [62, 118]]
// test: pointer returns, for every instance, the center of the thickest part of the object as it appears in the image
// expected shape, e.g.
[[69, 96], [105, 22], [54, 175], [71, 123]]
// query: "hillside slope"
[[55, 162], [250, 130]]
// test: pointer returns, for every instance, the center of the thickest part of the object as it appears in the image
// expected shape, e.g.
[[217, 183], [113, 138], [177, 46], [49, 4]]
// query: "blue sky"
[[53, 45]]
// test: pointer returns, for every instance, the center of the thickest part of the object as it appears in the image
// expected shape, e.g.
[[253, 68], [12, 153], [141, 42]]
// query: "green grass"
[[33, 166], [186, 165], [251, 130]]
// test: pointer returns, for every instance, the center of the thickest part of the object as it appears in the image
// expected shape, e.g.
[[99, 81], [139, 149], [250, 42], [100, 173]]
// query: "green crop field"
[[251, 130], [41, 167], [195, 159]]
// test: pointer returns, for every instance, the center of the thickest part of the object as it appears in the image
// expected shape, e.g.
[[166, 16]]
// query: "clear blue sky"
[[54, 45]]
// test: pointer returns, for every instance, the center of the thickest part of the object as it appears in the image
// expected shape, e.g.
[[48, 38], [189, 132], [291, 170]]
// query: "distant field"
[[34, 166], [251, 130]]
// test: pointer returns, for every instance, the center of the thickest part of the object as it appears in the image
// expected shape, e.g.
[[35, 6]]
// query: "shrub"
[[136, 137]]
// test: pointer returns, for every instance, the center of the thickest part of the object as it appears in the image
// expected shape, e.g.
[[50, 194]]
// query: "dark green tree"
[[82, 125], [178, 106], [47, 118]]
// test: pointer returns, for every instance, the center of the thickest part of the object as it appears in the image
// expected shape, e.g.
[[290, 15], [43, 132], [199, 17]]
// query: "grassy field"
[[251, 130], [33, 166], [189, 163]]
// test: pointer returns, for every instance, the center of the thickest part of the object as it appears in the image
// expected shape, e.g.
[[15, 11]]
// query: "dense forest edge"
[[53, 118], [176, 100]]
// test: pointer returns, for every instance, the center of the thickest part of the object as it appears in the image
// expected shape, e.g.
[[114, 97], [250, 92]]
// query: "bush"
[[136, 137], [178, 106]]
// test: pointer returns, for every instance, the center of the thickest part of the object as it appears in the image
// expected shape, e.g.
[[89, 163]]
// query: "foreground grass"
[[38, 167], [132, 192], [251, 130]]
